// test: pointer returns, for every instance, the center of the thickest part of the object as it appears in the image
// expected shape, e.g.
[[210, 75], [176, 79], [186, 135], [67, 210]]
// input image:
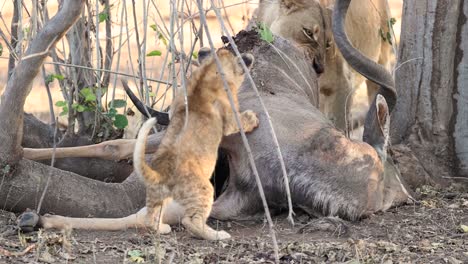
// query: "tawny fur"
[[308, 23], [182, 166]]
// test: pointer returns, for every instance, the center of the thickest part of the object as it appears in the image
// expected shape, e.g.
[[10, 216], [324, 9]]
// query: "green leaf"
[[6, 169], [381, 32], [154, 53], [85, 91], [103, 16], [80, 108], [112, 112], [389, 38], [118, 103], [64, 111], [61, 103], [265, 33], [392, 21], [162, 38], [136, 256], [120, 121], [154, 27], [51, 77], [88, 94], [90, 98], [135, 253], [195, 55], [58, 77], [152, 94], [1, 49]]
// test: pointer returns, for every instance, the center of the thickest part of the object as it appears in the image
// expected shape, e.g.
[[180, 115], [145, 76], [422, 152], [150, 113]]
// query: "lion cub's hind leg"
[[196, 196], [156, 196]]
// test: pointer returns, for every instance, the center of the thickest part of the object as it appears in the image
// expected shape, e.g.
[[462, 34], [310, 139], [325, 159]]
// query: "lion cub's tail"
[[139, 163]]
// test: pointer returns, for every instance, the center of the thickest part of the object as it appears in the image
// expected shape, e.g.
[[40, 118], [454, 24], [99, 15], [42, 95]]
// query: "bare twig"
[[140, 55], [49, 96], [455, 178], [270, 123], [52, 163], [109, 55], [242, 132], [8, 253], [14, 38], [119, 52], [19, 85]]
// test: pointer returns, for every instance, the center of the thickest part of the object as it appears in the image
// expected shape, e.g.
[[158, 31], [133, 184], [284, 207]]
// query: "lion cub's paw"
[[222, 235], [250, 120], [164, 229]]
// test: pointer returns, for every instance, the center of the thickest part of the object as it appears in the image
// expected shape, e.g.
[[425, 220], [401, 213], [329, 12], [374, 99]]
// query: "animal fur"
[[308, 23], [182, 166]]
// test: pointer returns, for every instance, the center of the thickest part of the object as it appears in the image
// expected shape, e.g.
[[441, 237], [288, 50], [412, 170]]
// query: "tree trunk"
[[68, 193], [431, 115], [20, 83]]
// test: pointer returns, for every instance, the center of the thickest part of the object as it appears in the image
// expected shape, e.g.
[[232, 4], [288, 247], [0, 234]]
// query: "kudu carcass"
[[329, 174]]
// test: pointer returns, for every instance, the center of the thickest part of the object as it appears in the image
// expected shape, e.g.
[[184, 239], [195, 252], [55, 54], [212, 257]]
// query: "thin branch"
[[109, 47], [242, 132], [98, 65], [140, 55], [52, 163], [20, 83], [8, 253], [14, 39], [119, 52], [270, 123], [49, 96]]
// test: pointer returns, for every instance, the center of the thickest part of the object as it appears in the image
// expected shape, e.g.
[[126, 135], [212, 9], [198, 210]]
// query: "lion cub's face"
[[305, 22], [232, 67]]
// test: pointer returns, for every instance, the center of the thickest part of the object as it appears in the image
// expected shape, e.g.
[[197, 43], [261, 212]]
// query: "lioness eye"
[[308, 32]]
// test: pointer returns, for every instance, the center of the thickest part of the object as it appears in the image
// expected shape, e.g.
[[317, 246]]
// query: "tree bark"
[[68, 193], [38, 135], [431, 78], [20, 83]]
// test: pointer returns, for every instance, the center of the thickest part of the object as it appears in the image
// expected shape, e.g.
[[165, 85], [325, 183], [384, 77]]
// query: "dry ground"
[[427, 233]]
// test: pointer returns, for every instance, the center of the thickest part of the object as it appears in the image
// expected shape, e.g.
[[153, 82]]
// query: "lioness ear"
[[292, 5], [248, 59], [203, 54]]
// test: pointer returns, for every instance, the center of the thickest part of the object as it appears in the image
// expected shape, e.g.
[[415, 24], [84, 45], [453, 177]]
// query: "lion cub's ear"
[[248, 59], [203, 54]]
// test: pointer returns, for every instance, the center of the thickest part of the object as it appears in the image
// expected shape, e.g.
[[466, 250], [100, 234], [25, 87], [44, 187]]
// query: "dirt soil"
[[431, 232]]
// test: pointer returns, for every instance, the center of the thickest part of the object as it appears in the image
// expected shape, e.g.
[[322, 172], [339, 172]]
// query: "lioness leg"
[[197, 198], [155, 200]]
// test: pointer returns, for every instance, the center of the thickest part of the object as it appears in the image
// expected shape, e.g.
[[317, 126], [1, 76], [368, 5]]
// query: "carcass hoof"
[[334, 225], [28, 221]]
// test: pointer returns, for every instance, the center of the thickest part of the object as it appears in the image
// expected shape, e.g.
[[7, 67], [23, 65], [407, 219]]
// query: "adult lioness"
[[308, 23]]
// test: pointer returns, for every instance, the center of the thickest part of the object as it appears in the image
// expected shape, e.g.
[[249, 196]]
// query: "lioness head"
[[308, 24]]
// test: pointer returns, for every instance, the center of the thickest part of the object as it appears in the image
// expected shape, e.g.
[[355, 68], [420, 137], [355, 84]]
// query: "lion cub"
[[182, 166]]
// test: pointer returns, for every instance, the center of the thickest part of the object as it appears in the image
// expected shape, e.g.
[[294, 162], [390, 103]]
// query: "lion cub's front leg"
[[249, 121]]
